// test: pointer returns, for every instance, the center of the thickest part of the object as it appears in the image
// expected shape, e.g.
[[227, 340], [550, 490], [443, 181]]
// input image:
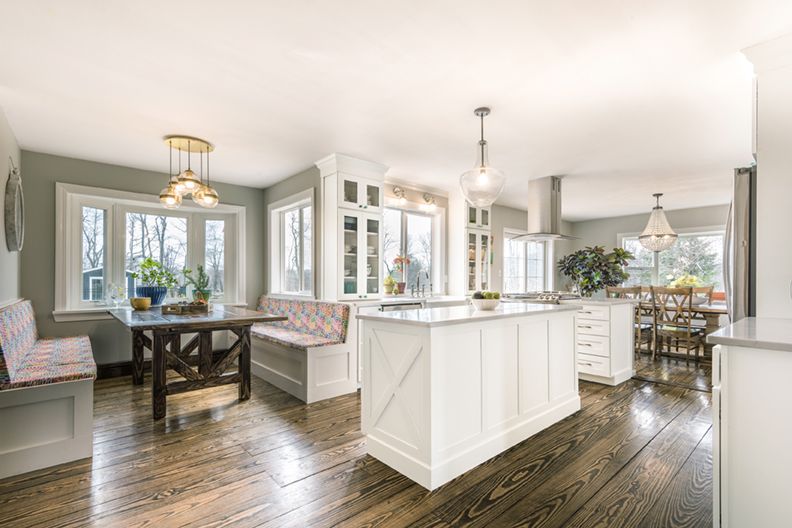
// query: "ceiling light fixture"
[[429, 202], [187, 182], [482, 184], [658, 235], [401, 194]]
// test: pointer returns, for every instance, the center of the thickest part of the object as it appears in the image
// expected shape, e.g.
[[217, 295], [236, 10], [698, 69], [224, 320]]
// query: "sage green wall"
[[307, 179], [9, 260], [111, 343]]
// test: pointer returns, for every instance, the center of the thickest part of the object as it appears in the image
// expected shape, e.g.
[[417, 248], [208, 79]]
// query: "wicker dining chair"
[[643, 331], [673, 321]]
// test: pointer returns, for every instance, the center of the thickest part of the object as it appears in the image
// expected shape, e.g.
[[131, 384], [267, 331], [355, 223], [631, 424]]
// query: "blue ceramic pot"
[[157, 293]]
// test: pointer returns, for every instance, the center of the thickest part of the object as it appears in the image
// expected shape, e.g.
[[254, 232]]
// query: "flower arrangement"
[[592, 269], [400, 262], [686, 281]]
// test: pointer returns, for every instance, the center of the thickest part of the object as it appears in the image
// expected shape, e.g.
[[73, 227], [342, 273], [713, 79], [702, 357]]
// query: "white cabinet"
[[360, 193], [604, 342], [478, 259], [478, 217], [361, 246]]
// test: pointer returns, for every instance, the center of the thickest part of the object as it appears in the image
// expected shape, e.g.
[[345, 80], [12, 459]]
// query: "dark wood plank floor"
[[635, 455], [675, 371]]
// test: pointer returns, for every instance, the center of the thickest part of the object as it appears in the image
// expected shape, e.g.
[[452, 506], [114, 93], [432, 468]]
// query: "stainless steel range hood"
[[544, 210]]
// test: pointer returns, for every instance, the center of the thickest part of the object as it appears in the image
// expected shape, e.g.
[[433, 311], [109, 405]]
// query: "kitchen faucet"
[[417, 289]]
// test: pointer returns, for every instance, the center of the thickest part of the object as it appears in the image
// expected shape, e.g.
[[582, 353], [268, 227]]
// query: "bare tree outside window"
[[163, 238], [297, 244], [214, 261], [93, 258]]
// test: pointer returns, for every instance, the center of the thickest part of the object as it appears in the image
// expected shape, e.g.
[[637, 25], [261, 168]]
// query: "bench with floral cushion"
[[46, 394], [307, 355]]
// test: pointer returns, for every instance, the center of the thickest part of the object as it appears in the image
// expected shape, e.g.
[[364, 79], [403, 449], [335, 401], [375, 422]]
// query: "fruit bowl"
[[485, 304]]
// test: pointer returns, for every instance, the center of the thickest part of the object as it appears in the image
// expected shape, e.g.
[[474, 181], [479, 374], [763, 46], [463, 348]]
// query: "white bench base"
[[311, 375], [45, 425]]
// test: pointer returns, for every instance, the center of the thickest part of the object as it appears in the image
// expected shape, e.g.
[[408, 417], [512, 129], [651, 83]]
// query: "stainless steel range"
[[544, 297]]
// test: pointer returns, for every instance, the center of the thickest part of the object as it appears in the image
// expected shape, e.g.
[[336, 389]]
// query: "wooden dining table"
[[710, 313], [167, 352]]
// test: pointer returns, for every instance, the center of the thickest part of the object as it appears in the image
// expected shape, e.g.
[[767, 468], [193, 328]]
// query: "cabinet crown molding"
[[335, 163]]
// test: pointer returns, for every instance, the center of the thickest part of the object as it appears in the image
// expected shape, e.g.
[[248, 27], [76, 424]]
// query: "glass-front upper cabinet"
[[479, 246], [478, 217], [360, 193], [360, 255]]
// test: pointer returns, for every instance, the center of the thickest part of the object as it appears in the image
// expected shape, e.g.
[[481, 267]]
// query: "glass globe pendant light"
[[658, 235], [205, 195], [482, 184], [188, 178], [170, 197]]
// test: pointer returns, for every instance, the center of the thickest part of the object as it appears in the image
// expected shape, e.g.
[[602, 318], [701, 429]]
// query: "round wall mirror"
[[14, 213]]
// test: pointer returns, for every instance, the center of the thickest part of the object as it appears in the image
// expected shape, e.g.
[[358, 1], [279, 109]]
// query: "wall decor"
[[14, 209]]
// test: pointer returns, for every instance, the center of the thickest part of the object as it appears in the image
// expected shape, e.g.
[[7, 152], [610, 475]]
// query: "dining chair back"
[[704, 291], [673, 319]]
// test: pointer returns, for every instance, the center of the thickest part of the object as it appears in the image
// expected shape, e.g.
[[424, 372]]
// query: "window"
[[696, 253], [291, 259], [104, 234], [524, 265], [413, 234]]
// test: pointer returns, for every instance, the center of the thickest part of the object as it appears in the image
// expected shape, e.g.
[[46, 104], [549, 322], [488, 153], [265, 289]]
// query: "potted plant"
[[155, 280], [400, 263], [200, 283], [592, 269], [390, 285]]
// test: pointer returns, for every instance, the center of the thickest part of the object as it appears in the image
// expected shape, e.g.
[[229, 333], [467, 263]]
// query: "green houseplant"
[[592, 269], [200, 283], [153, 280]]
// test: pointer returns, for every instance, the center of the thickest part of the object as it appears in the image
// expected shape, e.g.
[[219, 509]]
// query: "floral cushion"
[[26, 361], [288, 338], [327, 320], [17, 333]]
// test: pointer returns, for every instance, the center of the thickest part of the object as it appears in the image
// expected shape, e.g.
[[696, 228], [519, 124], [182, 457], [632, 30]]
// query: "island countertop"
[[451, 315], [756, 332]]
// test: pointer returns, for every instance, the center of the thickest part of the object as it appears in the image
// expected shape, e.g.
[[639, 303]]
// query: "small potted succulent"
[[154, 280], [200, 283], [400, 263]]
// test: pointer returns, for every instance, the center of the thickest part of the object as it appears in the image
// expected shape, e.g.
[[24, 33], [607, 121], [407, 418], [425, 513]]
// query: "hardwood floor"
[[637, 455], [675, 371]]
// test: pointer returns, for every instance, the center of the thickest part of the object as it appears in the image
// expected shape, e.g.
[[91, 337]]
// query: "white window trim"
[[69, 198], [274, 212], [703, 230], [438, 215], [549, 258]]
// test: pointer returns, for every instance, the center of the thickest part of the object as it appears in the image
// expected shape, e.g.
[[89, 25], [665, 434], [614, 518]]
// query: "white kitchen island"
[[445, 389]]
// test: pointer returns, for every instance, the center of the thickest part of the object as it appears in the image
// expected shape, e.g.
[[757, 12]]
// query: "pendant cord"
[[481, 143], [207, 167], [188, 155], [170, 159], [201, 157]]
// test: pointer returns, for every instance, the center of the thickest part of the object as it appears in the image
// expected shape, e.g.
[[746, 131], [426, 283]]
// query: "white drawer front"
[[592, 327], [592, 344], [594, 311], [595, 365]]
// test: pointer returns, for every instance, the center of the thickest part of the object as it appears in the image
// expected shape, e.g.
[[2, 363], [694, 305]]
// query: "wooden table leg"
[[138, 340], [244, 364], [158, 389], [205, 354]]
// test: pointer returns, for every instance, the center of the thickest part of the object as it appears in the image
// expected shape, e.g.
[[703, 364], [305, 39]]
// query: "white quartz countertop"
[[601, 300], [451, 315], [756, 332]]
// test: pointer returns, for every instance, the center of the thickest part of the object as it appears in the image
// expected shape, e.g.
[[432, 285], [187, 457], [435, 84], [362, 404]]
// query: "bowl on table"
[[140, 303], [485, 304]]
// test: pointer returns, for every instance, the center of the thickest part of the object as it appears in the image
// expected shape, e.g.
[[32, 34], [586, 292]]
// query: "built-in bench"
[[46, 395], [307, 355]]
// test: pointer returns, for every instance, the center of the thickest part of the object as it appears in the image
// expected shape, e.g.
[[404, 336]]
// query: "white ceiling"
[[626, 98]]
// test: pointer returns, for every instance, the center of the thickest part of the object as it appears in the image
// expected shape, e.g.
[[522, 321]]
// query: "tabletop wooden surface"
[[712, 308], [220, 314]]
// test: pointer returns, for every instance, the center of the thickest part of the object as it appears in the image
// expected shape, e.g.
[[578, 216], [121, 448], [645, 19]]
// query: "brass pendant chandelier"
[[187, 182]]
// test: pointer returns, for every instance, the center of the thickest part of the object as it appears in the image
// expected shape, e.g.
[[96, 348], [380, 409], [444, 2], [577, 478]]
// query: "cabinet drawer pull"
[[585, 363], [585, 344], [584, 326], [584, 312]]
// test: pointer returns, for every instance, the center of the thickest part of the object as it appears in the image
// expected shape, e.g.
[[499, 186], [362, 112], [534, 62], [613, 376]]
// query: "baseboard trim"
[[124, 368]]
